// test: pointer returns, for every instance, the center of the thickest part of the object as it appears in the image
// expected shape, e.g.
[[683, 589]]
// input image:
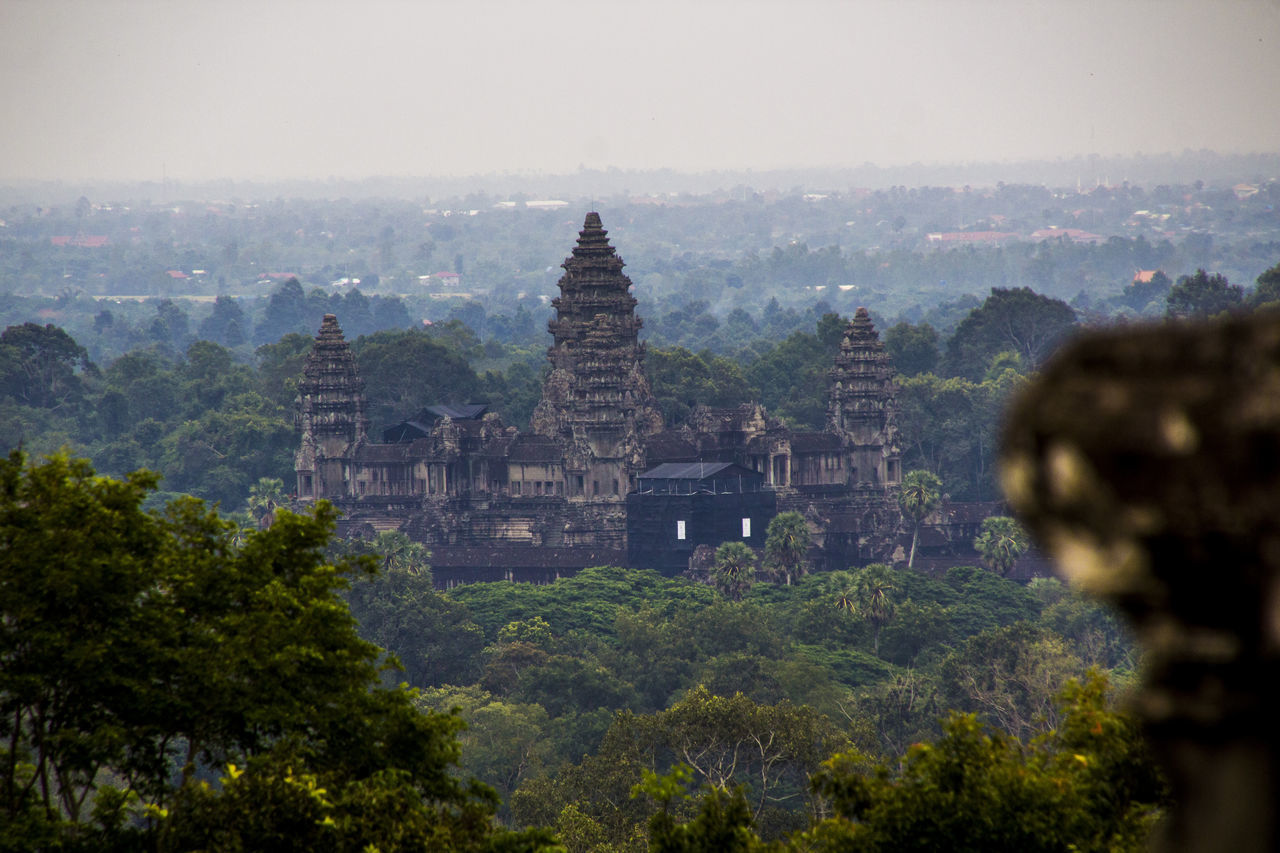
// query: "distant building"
[[1075, 235], [987, 238], [493, 502], [678, 506]]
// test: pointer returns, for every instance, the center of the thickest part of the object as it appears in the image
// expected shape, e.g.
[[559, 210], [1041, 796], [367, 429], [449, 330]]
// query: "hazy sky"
[[126, 89]]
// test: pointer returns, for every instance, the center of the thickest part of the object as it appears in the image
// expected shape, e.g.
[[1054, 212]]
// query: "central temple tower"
[[596, 401]]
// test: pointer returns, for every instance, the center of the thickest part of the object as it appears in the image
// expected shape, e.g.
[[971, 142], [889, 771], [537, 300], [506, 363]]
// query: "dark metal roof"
[[406, 431], [696, 471], [465, 412]]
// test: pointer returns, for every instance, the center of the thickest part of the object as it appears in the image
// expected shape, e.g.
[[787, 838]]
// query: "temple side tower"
[[330, 413], [863, 405], [596, 401]]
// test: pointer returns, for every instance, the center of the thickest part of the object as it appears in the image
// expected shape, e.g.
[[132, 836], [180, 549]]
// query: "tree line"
[[216, 419]]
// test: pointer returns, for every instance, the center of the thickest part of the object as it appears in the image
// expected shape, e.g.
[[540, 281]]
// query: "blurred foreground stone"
[[1147, 461]]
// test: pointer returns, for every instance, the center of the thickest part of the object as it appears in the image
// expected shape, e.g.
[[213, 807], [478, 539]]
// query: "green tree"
[[1203, 295], [504, 743], [734, 569], [1267, 288], [724, 742], [912, 349], [870, 596], [1001, 541], [280, 365], [226, 323], [401, 554], [431, 636], [1010, 676], [949, 428], [1017, 319], [395, 383], [285, 314], [1139, 294], [919, 495], [785, 546], [682, 380], [1088, 785], [265, 497], [133, 643], [39, 364]]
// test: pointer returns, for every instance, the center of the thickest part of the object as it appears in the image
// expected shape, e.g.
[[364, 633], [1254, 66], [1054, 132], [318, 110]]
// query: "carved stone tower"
[[863, 405], [597, 399], [330, 413]]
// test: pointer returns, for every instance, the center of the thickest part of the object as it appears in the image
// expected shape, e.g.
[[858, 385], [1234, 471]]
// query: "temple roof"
[[535, 448], [593, 239], [812, 442]]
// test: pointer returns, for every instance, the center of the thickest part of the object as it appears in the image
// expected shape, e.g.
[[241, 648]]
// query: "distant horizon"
[[1084, 171]]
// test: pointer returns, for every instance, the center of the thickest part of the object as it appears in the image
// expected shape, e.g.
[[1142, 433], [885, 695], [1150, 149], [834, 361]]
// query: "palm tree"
[[1001, 542], [734, 569], [869, 594], [921, 493], [786, 545], [265, 496], [401, 554]]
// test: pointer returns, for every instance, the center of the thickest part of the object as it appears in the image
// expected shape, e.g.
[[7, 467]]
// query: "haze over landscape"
[[599, 427], [132, 90]]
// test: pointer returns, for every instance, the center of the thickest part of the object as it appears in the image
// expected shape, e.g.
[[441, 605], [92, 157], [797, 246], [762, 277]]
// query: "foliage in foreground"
[[145, 654], [1087, 785]]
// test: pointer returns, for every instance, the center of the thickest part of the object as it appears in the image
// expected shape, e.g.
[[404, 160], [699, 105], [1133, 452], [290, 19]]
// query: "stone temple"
[[492, 502]]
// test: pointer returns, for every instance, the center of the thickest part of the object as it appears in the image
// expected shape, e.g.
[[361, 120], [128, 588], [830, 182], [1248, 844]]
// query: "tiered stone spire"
[[863, 403], [597, 384], [330, 411]]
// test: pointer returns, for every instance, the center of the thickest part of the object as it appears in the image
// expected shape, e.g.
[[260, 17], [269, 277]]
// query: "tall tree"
[[40, 366], [870, 595], [133, 643], [920, 494], [1001, 541], [391, 364], [286, 313], [912, 349], [265, 497], [1089, 785], [401, 554], [1203, 295], [1017, 319], [1267, 288], [226, 323], [734, 569], [785, 546]]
